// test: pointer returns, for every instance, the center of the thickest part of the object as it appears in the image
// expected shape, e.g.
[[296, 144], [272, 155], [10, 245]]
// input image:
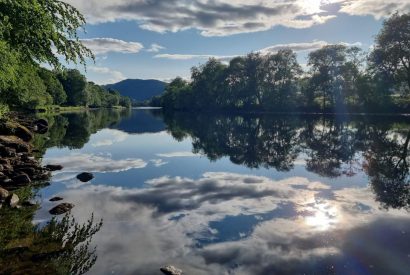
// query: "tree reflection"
[[59, 247], [387, 164], [331, 147]]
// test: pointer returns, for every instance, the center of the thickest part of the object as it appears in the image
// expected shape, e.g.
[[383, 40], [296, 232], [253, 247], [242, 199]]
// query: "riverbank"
[[18, 166]]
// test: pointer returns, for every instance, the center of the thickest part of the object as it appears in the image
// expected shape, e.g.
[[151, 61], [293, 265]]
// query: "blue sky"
[[162, 39]]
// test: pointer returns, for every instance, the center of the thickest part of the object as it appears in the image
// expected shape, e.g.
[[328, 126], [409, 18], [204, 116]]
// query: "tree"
[[35, 28], [391, 54], [334, 70], [206, 82], [74, 84], [280, 73], [53, 86]]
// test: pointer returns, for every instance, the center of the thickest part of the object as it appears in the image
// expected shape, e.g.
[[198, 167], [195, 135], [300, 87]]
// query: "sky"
[[163, 39]]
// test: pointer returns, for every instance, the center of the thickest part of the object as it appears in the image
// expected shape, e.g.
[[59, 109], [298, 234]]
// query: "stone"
[[41, 126], [14, 142], [12, 200], [61, 208], [7, 152], [171, 270], [21, 179], [30, 171], [54, 167], [23, 133], [85, 177], [4, 194], [56, 199]]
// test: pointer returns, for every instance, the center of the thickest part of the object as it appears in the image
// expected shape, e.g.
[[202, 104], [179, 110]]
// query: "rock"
[[30, 171], [171, 270], [61, 208], [1, 167], [84, 177], [12, 200], [54, 167], [23, 133], [4, 194], [41, 126], [56, 199], [22, 179], [14, 142], [7, 152]]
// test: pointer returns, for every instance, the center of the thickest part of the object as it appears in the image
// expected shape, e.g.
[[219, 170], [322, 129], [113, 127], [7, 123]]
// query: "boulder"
[[54, 167], [21, 179], [56, 199], [12, 200], [4, 194], [171, 270], [85, 177], [23, 133], [41, 126], [7, 152], [61, 208], [16, 143]]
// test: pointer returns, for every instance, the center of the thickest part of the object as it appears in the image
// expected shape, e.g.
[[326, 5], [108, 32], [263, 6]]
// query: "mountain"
[[138, 89]]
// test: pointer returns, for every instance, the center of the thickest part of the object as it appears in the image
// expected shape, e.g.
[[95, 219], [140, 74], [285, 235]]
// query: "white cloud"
[[303, 46], [297, 47], [210, 17], [193, 56], [177, 154], [377, 8], [105, 75], [107, 45], [155, 48]]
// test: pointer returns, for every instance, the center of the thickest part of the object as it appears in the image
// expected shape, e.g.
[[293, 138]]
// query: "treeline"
[[38, 88], [34, 32], [339, 79]]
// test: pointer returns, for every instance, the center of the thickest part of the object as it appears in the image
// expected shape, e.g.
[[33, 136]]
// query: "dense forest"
[[339, 79], [38, 34]]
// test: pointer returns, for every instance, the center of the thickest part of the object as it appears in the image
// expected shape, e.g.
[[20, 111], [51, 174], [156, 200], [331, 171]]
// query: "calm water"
[[236, 194]]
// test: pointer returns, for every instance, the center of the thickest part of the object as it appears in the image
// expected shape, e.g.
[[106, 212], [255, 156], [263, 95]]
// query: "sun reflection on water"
[[322, 216]]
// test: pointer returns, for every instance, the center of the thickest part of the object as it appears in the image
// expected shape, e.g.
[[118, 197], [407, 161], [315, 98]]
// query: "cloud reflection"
[[78, 162], [141, 232]]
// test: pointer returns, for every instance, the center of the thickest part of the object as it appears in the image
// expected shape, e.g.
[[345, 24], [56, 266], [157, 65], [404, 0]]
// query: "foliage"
[[35, 28], [53, 86], [391, 54], [338, 80], [34, 32]]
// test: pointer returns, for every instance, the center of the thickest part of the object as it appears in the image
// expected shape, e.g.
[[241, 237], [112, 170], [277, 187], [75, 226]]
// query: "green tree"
[[53, 86], [334, 70], [35, 27], [74, 84], [391, 54]]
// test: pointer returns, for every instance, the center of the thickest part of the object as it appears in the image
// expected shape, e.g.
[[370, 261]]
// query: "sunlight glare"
[[323, 217]]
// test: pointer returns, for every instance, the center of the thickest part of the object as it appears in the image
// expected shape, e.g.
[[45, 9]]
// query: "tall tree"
[[391, 53], [75, 85]]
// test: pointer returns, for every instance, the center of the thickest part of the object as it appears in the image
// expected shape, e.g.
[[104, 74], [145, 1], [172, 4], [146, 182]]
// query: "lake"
[[233, 194]]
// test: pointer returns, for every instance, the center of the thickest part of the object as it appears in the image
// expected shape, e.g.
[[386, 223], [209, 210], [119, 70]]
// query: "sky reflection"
[[162, 204]]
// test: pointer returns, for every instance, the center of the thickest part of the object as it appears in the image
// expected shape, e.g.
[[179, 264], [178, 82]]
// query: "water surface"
[[236, 194]]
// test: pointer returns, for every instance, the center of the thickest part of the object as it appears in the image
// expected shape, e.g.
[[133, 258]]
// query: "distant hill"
[[138, 89]]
